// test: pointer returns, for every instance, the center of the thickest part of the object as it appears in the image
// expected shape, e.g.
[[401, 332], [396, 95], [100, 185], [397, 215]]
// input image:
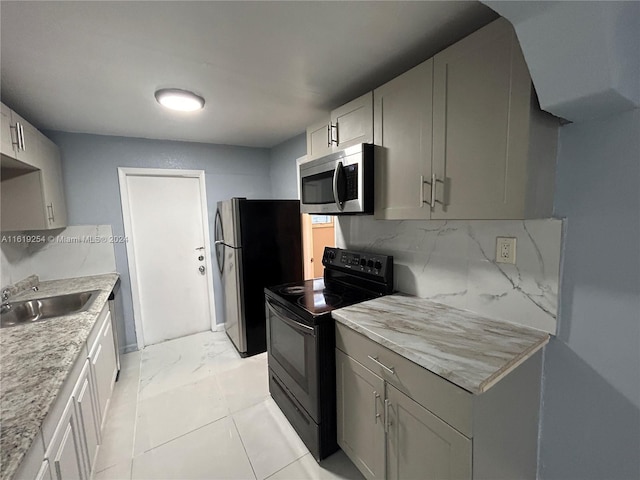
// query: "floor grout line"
[[244, 448]]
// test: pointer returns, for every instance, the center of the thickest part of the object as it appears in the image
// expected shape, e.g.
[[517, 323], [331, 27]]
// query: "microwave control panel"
[[351, 175]]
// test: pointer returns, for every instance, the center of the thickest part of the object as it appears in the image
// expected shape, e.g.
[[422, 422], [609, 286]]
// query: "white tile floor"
[[191, 408]]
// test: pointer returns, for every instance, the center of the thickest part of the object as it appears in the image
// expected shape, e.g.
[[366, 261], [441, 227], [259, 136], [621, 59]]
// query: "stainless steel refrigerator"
[[258, 243]]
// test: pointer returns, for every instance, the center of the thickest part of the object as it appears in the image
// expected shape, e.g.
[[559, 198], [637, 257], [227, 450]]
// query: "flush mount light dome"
[[177, 99]]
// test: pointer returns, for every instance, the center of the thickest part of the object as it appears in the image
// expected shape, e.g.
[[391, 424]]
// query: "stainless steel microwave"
[[338, 184]]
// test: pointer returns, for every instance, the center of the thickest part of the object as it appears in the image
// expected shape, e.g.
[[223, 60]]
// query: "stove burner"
[[296, 290]]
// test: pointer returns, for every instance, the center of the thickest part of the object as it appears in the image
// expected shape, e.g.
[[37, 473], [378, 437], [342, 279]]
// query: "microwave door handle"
[[336, 190], [280, 313]]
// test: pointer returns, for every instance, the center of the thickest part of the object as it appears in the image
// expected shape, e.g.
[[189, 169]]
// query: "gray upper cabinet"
[[32, 190], [319, 140], [348, 125], [462, 136], [402, 118], [8, 134]]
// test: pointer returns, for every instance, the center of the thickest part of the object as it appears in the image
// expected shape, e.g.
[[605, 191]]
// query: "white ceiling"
[[266, 69]]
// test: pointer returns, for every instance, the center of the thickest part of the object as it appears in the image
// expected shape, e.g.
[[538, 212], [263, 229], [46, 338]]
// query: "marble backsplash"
[[75, 251], [453, 262]]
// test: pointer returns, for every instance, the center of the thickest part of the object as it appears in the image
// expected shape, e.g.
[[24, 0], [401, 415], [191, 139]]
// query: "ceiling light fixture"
[[177, 99]]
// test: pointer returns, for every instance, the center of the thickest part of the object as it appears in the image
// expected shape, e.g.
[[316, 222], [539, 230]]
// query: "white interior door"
[[169, 254]]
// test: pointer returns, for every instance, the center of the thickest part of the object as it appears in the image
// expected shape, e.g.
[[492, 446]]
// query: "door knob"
[[200, 257], [201, 269]]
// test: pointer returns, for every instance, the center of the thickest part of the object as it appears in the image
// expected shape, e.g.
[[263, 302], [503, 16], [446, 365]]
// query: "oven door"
[[293, 355]]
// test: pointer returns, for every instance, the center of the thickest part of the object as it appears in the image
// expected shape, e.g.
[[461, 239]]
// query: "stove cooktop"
[[317, 298]]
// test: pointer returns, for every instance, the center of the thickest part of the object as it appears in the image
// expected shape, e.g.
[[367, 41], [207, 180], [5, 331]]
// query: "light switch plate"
[[506, 250]]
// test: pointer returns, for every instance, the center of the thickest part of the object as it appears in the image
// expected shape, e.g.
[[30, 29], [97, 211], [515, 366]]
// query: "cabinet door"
[[319, 140], [360, 395], [65, 450], [420, 445], [87, 415], [402, 112], [7, 134], [52, 187], [481, 98], [104, 368], [354, 122]]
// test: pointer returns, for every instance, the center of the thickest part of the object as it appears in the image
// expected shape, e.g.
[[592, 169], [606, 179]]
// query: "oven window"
[[288, 346], [318, 188]]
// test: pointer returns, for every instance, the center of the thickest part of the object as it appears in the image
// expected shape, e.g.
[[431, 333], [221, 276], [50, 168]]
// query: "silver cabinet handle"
[[329, 135], [334, 127], [423, 182], [388, 369], [17, 143], [376, 415], [432, 196], [433, 190], [51, 217], [24, 147], [387, 420]]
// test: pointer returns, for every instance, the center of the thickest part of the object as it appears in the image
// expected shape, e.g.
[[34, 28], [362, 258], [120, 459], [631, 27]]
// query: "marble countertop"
[[35, 360], [469, 350]]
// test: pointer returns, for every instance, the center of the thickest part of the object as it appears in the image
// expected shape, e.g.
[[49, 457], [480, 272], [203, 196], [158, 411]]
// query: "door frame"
[[123, 173]]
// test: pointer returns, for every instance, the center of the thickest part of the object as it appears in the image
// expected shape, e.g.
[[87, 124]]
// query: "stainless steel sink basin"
[[38, 309]]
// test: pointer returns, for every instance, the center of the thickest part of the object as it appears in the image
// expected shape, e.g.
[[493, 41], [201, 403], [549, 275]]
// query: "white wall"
[[76, 251]]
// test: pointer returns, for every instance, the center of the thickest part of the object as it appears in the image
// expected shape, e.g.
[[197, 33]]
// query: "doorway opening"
[[318, 231]]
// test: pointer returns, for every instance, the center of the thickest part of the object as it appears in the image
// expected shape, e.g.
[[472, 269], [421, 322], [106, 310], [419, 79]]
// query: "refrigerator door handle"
[[221, 242]]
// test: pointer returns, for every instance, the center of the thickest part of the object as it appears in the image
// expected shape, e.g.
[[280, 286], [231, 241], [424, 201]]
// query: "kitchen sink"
[[39, 309]]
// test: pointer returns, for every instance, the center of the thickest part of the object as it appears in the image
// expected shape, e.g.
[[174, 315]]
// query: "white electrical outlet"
[[506, 250]]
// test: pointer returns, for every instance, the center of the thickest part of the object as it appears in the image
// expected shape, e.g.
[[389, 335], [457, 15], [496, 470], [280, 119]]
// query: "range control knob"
[[370, 263], [378, 265], [331, 254], [363, 262]]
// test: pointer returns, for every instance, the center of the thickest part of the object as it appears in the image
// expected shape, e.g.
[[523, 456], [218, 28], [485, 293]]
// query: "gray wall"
[[283, 166], [590, 425], [90, 163]]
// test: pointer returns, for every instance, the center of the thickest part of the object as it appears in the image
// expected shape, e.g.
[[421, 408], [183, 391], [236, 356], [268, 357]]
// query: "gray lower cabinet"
[[399, 421], [420, 445], [388, 435], [360, 397]]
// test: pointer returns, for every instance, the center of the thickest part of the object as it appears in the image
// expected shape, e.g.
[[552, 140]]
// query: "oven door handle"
[[282, 315]]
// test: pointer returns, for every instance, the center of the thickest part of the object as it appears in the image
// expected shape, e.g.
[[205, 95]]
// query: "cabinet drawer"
[[452, 404]]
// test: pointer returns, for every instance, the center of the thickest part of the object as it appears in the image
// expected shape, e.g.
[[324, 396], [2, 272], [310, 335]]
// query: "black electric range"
[[301, 339]]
